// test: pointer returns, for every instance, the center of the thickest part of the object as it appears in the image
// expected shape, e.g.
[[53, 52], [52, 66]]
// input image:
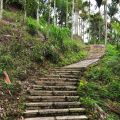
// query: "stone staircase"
[[54, 97]]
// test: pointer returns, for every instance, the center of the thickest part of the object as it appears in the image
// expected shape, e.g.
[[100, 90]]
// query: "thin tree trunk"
[[99, 28], [49, 11], [54, 12], [81, 27], [72, 30], [105, 12], [89, 23], [1, 9], [25, 10], [67, 13], [38, 15], [83, 31]]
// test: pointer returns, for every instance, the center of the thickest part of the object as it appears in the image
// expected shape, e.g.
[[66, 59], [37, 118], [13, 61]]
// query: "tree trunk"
[[99, 28], [89, 23], [38, 15], [25, 10], [67, 13], [105, 12], [54, 12], [49, 11], [1, 8], [72, 30]]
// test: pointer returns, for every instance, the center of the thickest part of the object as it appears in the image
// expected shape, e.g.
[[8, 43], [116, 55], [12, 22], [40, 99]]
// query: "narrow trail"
[[55, 97]]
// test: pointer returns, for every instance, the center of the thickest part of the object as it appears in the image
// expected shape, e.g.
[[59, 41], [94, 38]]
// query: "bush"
[[58, 35], [37, 54], [71, 45], [45, 52], [99, 74], [15, 88], [50, 53], [32, 25], [6, 61], [114, 90]]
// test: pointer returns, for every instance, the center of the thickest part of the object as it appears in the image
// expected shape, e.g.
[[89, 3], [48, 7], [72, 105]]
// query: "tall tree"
[[73, 7], [54, 12], [1, 8], [38, 10], [105, 18], [112, 9]]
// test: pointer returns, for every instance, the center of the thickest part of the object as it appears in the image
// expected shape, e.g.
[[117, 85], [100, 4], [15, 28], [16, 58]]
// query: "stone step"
[[61, 76], [55, 83], [52, 98], [70, 68], [59, 79], [52, 105], [54, 112], [76, 117], [66, 73], [65, 88], [52, 93]]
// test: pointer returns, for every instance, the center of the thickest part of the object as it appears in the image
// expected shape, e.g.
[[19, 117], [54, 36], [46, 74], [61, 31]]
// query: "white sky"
[[95, 9]]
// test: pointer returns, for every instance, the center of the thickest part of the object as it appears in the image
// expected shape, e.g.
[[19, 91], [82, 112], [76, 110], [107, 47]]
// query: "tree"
[[116, 29], [37, 14], [96, 23], [112, 9], [105, 18], [1, 8]]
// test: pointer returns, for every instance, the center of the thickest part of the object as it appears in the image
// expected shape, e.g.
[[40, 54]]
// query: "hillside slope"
[[26, 53]]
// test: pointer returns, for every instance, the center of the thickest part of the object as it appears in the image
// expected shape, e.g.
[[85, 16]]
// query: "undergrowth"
[[101, 84]]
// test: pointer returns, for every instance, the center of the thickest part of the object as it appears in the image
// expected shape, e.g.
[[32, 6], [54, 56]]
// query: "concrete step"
[[52, 105], [76, 117], [59, 79], [55, 83], [52, 98], [54, 112], [70, 68], [66, 73], [52, 93], [63, 88], [61, 76]]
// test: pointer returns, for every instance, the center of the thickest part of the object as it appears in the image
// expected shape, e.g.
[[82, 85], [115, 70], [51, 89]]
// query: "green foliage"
[[114, 90], [112, 116], [6, 61], [32, 26], [116, 33], [102, 81], [58, 35], [99, 74]]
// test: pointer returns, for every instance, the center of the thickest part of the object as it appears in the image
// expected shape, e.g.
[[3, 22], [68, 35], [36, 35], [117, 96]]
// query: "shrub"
[[71, 45], [15, 88], [50, 53], [37, 54], [99, 74], [58, 35], [114, 90], [6, 61], [45, 52], [32, 26], [88, 101]]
